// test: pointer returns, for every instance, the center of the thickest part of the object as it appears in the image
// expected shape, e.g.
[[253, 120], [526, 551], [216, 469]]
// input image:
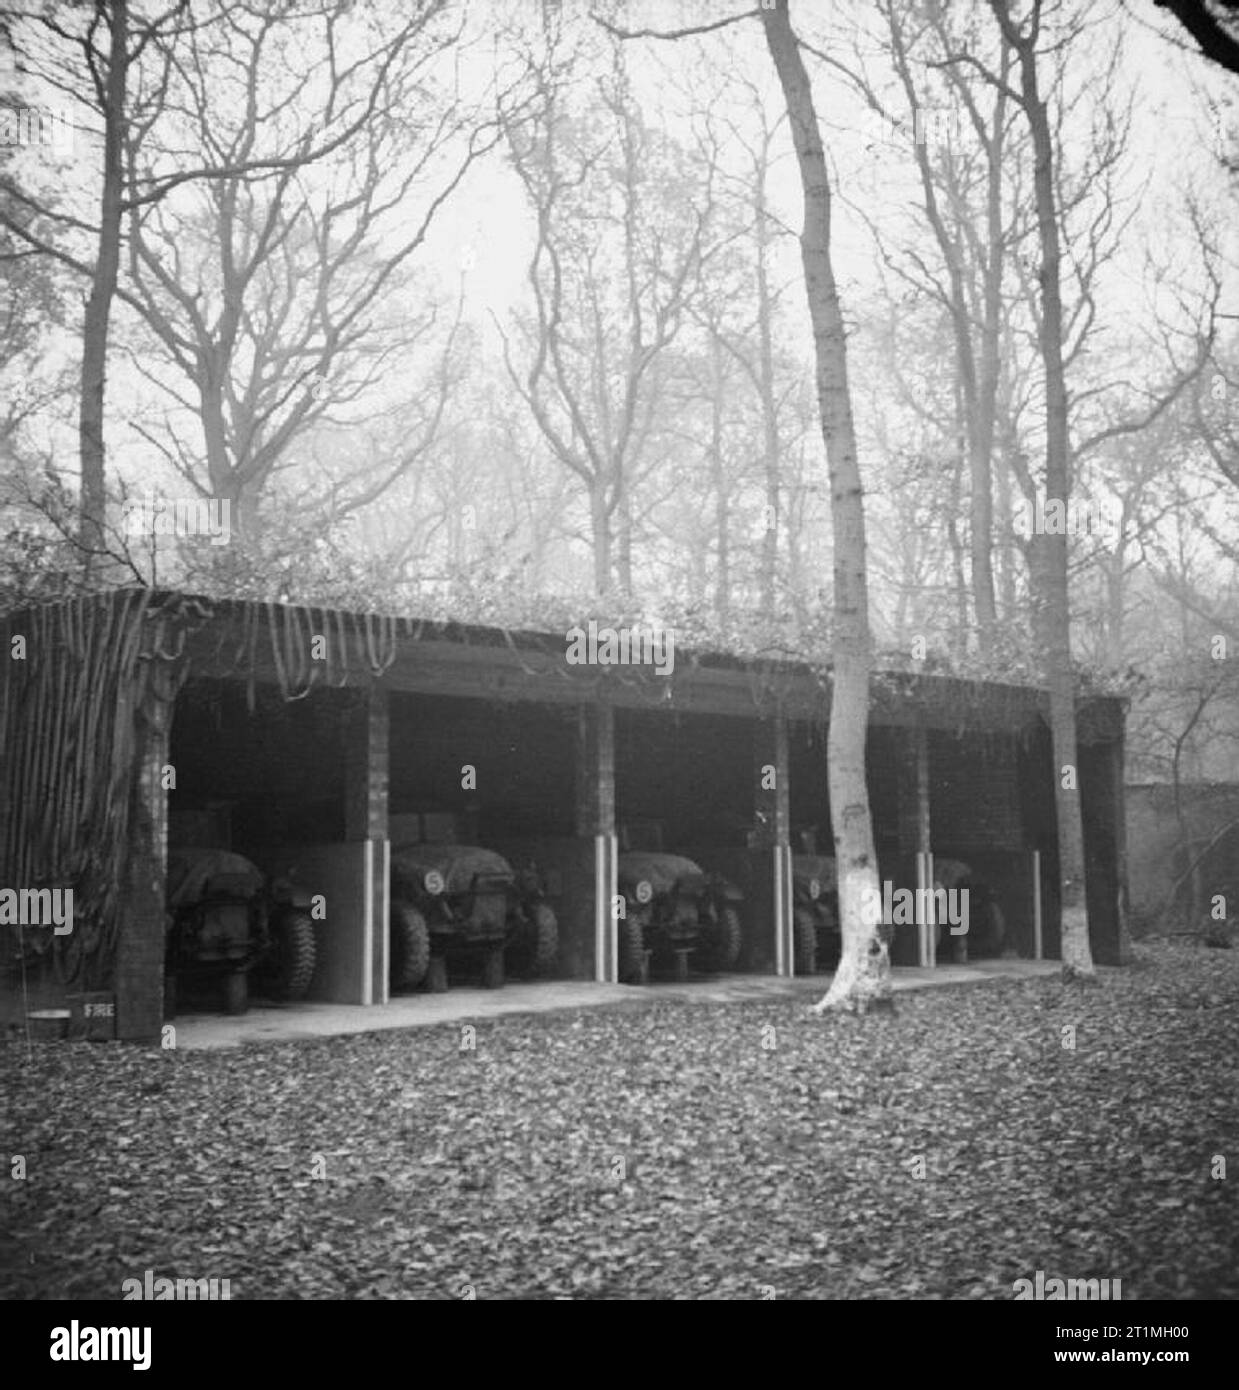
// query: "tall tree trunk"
[[93, 501], [722, 573], [1056, 615], [982, 519], [625, 551], [796, 577], [769, 405], [220, 470], [863, 976], [245, 513], [623, 535], [965, 450], [978, 389], [1115, 570], [1007, 549], [600, 522]]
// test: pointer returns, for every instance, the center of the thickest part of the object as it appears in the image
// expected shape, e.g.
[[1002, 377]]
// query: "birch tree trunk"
[[98, 311], [771, 452], [863, 977]]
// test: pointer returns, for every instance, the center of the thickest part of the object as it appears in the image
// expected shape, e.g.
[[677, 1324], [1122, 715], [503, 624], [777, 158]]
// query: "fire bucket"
[[48, 1025]]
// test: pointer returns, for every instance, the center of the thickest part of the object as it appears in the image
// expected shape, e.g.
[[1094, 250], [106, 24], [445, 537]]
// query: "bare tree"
[[966, 210], [863, 977], [127, 63], [278, 302], [107, 43], [1052, 598], [752, 344], [862, 980], [614, 267]]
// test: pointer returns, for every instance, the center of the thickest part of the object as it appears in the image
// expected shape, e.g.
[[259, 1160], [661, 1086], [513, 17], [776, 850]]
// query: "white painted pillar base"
[[926, 923], [606, 928], [380, 900], [784, 907]]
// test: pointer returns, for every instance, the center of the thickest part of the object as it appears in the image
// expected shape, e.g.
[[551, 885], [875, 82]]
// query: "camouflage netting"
[[78, 677], [350, 643]]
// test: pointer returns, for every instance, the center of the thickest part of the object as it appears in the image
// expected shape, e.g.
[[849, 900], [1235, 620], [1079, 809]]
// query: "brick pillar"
[[1105, 850], [142, 926], [366, 738]]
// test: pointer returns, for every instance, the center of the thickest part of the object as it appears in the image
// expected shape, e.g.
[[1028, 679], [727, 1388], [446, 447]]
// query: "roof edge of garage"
[[949, 696]]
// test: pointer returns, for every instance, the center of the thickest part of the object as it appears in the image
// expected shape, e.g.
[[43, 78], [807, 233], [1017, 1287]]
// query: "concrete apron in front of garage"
[[300, 1021]]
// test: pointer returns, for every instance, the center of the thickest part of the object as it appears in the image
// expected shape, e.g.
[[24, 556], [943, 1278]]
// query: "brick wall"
[[974, 792]]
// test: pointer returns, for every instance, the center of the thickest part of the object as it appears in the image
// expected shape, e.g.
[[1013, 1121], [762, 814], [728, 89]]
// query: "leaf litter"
[[665, 1151]]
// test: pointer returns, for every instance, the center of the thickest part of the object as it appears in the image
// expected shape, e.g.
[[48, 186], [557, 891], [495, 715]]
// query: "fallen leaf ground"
[[675, 1150]]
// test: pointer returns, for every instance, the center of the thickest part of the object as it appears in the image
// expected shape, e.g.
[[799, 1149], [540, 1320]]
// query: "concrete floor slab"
[[295, 1022]]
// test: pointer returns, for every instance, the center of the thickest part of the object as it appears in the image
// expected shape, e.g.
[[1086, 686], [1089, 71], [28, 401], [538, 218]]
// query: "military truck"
[[815, 913], [987, 928], [672, 908], [818, 935], [228, 923], [458, 901]]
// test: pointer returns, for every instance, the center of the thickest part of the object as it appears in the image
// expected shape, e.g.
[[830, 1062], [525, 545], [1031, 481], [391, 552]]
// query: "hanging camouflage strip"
[[77, 678], [307, 646], [360, 642]]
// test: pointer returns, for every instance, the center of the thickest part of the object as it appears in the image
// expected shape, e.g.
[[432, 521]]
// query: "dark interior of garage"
[[247, 778]]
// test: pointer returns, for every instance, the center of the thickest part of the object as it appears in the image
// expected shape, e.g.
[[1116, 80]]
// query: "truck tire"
[[291, 965], [804, 929], [631, 951], [533, 952], [410, 946], [728, 940]]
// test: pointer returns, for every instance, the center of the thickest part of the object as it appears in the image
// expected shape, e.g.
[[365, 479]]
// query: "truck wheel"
[[632, 951], [292, 965], [534, 952], [804, 928], [728, 939], [410, 947]]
